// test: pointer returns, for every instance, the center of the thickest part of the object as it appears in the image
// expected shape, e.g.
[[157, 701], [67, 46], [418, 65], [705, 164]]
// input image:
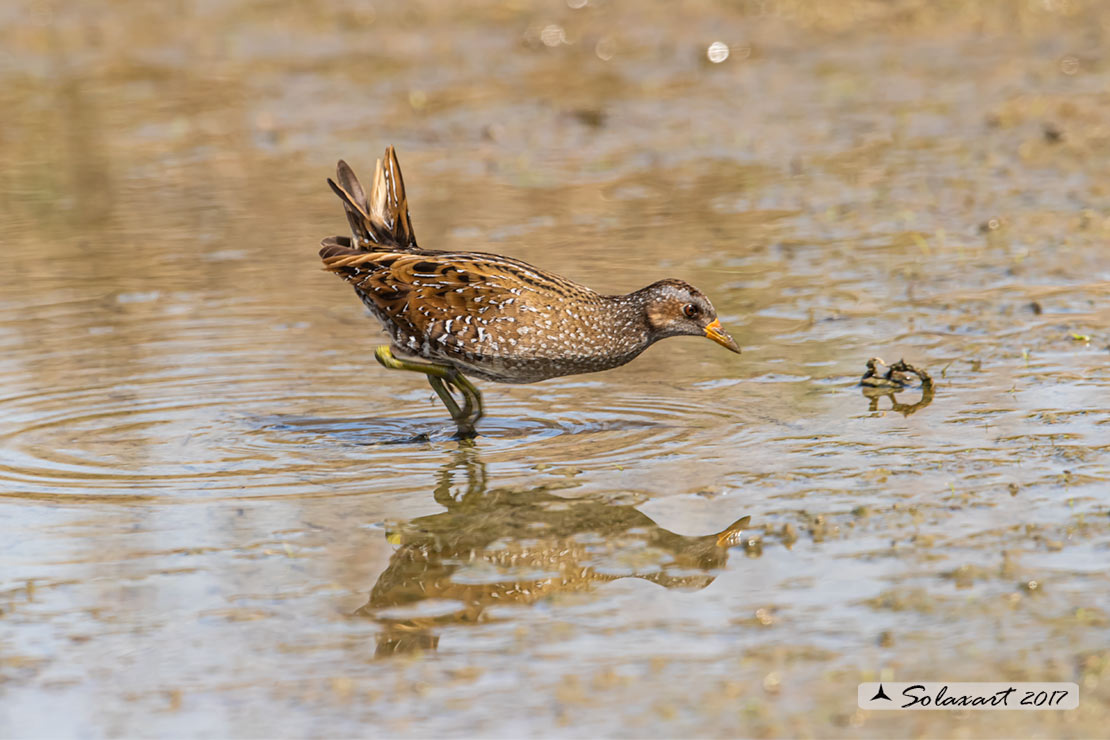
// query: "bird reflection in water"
[[516, 547]]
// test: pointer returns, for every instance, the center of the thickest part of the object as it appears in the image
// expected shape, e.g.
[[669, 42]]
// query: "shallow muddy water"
[[219, 516]]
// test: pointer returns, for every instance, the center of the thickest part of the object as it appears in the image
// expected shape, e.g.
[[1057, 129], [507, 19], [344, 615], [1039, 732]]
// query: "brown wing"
[[458, 300], [383, 218]]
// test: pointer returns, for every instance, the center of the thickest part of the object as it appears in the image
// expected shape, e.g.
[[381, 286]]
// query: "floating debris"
[[881, 379], [897, 376], [717, 52]]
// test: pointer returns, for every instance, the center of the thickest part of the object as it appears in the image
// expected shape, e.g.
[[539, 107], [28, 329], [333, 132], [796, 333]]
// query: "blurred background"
[[218, 516]]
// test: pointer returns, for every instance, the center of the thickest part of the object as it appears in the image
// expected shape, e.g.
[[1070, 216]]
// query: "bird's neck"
[[629, 321]]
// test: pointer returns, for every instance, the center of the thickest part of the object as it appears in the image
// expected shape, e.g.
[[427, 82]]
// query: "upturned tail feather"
[[382, 220]]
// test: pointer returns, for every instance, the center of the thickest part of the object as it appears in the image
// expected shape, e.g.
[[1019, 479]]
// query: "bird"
[[453, 314]]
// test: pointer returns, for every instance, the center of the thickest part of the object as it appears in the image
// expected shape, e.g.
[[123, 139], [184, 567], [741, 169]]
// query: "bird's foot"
[[442, 378]]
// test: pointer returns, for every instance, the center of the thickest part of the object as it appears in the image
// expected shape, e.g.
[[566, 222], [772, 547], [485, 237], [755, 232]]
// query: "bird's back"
[[490, 316]]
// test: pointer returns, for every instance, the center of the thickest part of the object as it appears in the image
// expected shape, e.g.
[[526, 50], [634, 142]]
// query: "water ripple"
[[184, 435]]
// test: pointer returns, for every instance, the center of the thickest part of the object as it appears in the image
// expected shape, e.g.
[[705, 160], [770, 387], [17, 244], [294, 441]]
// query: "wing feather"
[[450, 299]]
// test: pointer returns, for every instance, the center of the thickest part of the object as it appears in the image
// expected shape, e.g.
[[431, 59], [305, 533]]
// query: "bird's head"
[[674, 308]]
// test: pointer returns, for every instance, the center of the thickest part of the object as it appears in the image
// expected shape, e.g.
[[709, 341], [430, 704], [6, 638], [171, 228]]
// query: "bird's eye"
[[690, 310]]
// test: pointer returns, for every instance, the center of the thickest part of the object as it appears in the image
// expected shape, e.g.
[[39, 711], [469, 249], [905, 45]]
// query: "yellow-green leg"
[[441, 377]]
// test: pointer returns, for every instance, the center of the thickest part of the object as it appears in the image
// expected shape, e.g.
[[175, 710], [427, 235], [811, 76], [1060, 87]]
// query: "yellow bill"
[[720, 336]]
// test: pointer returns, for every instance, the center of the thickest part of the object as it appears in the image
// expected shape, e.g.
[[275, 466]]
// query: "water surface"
[[219, 516]]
